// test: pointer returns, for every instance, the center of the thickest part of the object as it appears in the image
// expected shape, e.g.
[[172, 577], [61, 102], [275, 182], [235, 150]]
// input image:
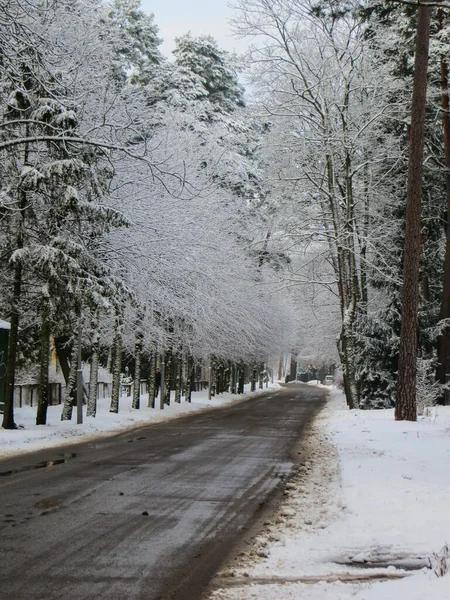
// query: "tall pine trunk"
[[69, 395], [405, 407], [187, 376], [117, 367], [168, 365], [43, 388], [254, 376], [280, 368], [8, 414], [93, 377], [151, 381], [137, 373], [443, 341], [293, 366], [241, 378], [213, 376], [178, 370], [347, 355], [233, 377]]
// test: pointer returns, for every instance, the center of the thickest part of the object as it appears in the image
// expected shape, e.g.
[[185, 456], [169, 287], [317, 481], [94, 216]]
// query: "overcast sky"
[[201, 17]]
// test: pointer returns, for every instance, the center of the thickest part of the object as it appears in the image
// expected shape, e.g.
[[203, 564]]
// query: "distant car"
[[329, 379]]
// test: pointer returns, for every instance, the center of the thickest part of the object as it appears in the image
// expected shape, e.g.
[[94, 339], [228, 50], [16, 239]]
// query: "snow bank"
[[369, 500]]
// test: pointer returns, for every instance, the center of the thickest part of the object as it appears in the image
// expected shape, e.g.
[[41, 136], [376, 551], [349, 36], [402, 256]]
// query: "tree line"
[[129, 199], [335, 81], [150, 210]]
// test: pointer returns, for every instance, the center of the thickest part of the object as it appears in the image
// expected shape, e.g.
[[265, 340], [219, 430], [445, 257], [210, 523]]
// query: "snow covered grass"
[[31, 437], [370, 496]]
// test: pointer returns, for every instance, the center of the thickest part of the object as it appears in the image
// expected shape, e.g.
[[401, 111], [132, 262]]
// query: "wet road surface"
[[148, 514]]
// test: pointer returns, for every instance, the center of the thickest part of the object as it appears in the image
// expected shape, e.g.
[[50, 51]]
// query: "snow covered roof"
[[5, 325]]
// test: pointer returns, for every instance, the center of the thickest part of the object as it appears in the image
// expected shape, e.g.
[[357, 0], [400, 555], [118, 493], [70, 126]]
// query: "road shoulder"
[[306, 503]]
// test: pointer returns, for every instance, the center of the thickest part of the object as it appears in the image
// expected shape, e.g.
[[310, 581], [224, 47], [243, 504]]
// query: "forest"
[[154, 212]]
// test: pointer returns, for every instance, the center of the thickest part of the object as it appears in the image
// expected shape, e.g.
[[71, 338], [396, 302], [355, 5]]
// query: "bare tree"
[[316, 74]]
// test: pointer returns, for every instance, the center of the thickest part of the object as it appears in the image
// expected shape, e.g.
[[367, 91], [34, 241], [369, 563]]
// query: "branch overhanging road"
[[150, 513]]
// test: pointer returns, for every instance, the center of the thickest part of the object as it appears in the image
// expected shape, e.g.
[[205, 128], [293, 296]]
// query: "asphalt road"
[[148, 514]]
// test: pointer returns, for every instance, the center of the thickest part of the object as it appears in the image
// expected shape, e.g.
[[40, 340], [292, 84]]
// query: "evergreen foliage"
[[214, 69]]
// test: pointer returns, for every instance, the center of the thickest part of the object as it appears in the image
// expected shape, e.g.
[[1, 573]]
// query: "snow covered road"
[[150, 513]]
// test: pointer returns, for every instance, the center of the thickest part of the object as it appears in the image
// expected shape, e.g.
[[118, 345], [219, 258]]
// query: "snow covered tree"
[[392, 31], [214, 69], [85, 155], [316, 75], [53, 178], [132, 36]]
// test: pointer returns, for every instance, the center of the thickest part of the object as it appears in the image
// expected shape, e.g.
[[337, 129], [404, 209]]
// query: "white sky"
[[201, 17]]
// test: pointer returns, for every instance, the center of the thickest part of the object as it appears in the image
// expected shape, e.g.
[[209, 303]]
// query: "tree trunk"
[[162, 391], [43, 389], [63, 354], [209, 380], [280, 368], [93, 377], [191, 377], [443, 341], [405, 408], [151, 381], [69, 395], [168, 376], [137, 374], [213, 377], [8, 415], [253, 382], [117, 367], [178, 377], [187, 376], [220, 377], [233, 378], [347, 355], [241, 378], [293, 367]]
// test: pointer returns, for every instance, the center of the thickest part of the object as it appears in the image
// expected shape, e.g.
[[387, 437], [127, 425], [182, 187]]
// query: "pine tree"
[[133, 38], [213, 67], [392, 31], [53, 181]]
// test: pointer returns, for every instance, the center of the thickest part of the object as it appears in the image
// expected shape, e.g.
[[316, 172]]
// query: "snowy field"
[[369, 497]]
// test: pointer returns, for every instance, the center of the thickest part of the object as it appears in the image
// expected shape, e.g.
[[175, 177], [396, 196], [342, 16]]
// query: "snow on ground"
[[370, 492], [31, 437]]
